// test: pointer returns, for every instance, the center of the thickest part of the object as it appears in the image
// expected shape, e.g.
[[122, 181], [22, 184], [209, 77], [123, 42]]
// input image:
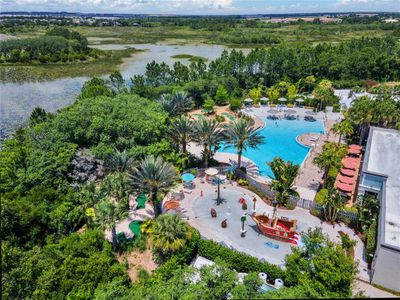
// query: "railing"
[[264, 188]]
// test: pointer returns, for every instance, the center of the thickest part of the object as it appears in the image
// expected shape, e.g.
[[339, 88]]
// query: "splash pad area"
[[230, 209]]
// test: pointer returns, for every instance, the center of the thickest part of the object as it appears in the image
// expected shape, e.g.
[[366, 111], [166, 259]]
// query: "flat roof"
[[383, 157]]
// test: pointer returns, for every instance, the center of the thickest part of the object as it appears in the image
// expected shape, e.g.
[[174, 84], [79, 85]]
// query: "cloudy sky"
[[201, 6]]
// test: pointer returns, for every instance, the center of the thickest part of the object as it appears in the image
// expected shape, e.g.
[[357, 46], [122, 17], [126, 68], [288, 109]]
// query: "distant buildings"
[[380, 178]]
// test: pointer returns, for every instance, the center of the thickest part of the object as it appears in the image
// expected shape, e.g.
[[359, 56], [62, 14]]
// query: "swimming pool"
[[280, 140]]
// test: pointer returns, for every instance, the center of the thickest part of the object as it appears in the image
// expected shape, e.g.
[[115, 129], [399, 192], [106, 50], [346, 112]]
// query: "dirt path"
[[137, 261]]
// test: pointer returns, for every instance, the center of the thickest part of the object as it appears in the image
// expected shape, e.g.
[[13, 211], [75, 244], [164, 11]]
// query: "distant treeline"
[[346, 64], [58, 44]]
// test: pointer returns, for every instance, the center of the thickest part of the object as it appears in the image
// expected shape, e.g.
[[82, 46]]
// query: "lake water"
[[17, 100]]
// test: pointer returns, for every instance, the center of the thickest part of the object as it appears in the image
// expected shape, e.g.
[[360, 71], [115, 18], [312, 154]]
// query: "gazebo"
[[248, 101], [264, 100]]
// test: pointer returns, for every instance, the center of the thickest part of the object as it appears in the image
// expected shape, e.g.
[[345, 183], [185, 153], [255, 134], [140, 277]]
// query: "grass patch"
[[103, 65], [191, 58]]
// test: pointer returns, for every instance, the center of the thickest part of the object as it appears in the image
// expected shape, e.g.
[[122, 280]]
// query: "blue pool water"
[[280, 140]]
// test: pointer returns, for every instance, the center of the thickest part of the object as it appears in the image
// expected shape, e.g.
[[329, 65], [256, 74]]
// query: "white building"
[[381, 177]]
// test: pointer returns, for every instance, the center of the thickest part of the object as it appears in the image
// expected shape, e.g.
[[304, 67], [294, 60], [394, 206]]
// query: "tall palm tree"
[[108, 213], [119, 161], [169, 234], [332, 204], [181, 131], [207, 134], [176, 103], [343, 128], [242, 134], [284, 175], [152, 176]]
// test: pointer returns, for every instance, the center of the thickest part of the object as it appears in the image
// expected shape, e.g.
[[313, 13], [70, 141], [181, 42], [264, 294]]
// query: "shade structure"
[[344, 187], [272, 111], [311, 96], [187, 177], [290, 111], [348, 172], [221, 177], [351, 160], [349, 165], [211, 172], [248, 100], [310, 112], [355, 147], [345, 179], [282, 99], [264, 99], [299, 100], [353, 151]]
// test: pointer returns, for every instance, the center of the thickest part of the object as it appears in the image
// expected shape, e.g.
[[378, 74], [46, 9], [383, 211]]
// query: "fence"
[[297, 201]]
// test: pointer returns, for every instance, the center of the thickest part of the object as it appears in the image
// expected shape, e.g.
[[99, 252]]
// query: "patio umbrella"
[[344, 187], [272, 111], [187, 177], [310, 112], [211, 172], [348, 172], [299, 100], [248, 100], [349, 165], [355, 147], [345, 179], [282, 99], [264, 99], [353, 151], [290, 111]]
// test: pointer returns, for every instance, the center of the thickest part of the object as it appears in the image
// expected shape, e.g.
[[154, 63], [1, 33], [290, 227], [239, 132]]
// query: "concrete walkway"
[[371, 291], [199, 201]]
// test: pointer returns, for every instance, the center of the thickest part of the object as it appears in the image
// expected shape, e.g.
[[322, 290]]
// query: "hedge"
[[239, 261], [320, 196], [371, 242]]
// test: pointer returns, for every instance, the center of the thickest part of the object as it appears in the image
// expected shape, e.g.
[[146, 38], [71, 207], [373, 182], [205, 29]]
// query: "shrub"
[[321, 195], [239, 261], [235, 104], [242, 182], [371, 242], [220, 118], [336, 107]]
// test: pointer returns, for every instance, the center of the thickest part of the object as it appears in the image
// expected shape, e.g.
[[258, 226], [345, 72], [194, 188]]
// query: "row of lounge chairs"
[[310, 118]]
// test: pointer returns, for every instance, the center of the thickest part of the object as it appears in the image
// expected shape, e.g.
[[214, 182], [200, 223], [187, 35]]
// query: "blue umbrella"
[[187, 177]]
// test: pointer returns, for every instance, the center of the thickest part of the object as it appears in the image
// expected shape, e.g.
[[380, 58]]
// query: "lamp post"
[[274, 204], [242, 231], [254, 205]]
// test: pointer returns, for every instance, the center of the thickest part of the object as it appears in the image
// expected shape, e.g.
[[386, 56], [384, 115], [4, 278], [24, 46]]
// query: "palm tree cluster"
[[284, 175], [177, 103], [382, 111], [209, 134]]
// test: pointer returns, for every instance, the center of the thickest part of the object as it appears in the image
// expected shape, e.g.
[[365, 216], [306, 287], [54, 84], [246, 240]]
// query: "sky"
[[216, 7]]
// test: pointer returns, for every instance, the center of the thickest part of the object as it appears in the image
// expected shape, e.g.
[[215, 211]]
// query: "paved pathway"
[[196, 209], [371, 291]]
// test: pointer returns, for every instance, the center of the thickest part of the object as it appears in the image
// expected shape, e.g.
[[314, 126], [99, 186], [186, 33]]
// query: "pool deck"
[[196, 205]]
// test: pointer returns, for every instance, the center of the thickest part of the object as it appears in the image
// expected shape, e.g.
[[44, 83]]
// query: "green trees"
[[368, 209], [284, 175], [119, 161], [242, 134], [208, 135], [221, 96], [153, 175], [330, 157], [177, 103], [324, 93], [181, 131], [169, 234], [321, 267], [343, 128], [332, 203], [57, 45]]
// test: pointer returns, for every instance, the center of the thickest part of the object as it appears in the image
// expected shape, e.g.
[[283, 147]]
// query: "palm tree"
[[119, 161], [108, 213], [284, 175], [181, 131], [207, 134], [168, 234], [177, 103], [152, 176], [329, 157], [242, 134], [115, 186], [332, 204], [343, 128]]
